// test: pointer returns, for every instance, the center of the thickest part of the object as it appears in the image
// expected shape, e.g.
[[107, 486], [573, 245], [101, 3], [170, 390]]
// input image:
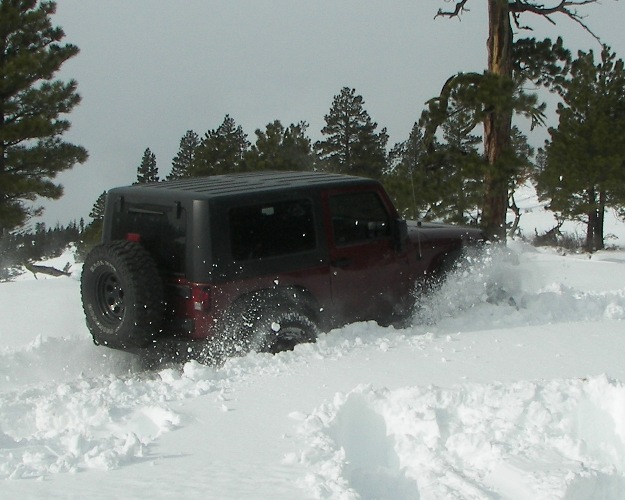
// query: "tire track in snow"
[[102, 422], [559, 439]]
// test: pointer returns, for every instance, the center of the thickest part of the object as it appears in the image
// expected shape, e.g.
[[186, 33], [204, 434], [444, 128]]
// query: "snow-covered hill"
[[522, 397]]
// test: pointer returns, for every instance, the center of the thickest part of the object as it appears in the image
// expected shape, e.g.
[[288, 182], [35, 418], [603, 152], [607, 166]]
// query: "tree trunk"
[[517, 216], [599, 221], [590, 231], [591, 226], [498, 123]]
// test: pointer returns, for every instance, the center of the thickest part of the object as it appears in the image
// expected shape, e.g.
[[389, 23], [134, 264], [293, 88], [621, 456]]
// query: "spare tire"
[[122, 295]]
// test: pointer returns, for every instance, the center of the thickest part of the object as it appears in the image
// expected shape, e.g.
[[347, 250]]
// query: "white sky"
[[149, 70]]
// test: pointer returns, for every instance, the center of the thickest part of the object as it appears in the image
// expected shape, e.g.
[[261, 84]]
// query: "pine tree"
[[499, 92], [32, 105], [97, 212], [439, 180], [585, 158], [147, 171], [92, 234], [352, 145], [277, 148], [460, 176], [181, 164], [221, 151], [404, 179], [524, 169]]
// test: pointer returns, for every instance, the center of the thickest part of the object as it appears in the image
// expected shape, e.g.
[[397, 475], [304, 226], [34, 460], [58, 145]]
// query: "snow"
[[510, 384]]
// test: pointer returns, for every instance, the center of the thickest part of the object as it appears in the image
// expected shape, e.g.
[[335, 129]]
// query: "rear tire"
[[122, 295]]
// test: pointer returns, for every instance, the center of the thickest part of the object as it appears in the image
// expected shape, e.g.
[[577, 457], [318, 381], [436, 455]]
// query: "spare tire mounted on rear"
[[122, 295]]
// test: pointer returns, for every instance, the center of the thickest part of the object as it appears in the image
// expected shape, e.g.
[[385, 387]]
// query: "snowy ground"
[[522, 398]]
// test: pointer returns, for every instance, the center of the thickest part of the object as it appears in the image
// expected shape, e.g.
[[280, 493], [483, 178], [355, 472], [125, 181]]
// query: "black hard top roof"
[[251, 182]]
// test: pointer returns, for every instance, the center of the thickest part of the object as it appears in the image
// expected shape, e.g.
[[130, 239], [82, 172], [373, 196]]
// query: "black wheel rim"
[[287, 338], [110, 298]]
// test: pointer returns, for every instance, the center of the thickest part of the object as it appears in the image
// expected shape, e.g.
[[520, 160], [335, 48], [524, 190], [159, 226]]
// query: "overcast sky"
[[149, 70]]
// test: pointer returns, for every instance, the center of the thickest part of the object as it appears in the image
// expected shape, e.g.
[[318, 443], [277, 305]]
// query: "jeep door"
[[369, 277]]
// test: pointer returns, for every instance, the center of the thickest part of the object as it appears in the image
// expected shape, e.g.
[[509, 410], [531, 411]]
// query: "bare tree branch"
[[567, 8], [460, 8], [563, 6]]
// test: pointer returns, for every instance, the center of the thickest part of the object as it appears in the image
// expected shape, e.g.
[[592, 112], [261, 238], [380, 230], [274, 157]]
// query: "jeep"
[[256, 261]]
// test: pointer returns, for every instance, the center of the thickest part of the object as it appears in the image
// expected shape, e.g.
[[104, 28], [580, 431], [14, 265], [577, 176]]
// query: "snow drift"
[[509, 384]]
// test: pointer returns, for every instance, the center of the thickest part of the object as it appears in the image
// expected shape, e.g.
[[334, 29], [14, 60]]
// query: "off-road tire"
[[122, 295], [267, 321], [281, 329]]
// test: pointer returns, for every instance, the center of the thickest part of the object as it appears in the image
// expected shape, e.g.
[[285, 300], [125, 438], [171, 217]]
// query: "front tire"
[[271, 322], [122, 295], [281, 330]]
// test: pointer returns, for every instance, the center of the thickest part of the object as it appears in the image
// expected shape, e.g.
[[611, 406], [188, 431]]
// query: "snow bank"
[[558, 439]]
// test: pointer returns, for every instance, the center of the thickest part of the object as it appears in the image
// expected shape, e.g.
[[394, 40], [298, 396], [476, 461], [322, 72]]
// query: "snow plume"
[[490, 275], [500, 287], [559, 439]]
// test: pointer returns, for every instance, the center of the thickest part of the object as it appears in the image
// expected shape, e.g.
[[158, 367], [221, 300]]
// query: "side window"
[[358, 217], [271, 229]]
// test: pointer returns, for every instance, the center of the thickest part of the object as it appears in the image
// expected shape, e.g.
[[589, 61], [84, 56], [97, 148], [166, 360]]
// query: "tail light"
[[201, 299]]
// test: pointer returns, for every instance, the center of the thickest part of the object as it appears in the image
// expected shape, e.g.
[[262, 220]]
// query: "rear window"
[[161, 231], [271, 229]]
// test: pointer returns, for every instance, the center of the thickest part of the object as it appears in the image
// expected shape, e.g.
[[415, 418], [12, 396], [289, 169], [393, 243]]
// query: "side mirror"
[[400, 234]]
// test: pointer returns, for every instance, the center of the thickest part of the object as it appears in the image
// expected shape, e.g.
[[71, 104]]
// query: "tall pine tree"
[[32, 104], [181, 164], [352, 145], [147, 171], [585, 157], [499, 92], [279, 148], [221, 151]]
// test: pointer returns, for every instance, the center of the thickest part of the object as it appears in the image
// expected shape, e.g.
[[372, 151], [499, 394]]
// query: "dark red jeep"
[[256, 261]]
